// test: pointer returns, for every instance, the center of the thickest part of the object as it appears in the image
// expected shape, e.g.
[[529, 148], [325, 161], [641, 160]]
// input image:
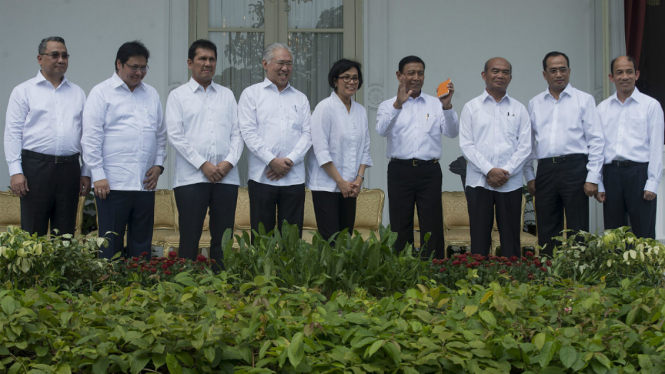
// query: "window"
[[319, 32]]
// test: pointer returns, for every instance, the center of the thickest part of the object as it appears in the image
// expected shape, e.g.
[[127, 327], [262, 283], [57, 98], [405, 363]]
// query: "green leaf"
[[392, 351], [602, 359], [138, 361], [209, 353], [173, 365], [470, 310], [14, 368], [547, 353], [8, 306], [539, 340], [100, 365], [568, 356], [373, 348], [63, 368], [488, 317], [296, 350]]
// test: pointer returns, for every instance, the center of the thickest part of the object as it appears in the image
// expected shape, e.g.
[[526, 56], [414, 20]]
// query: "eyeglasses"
[[347, 78], [281, 63], [57, 55], [135, 68], [560, 70]]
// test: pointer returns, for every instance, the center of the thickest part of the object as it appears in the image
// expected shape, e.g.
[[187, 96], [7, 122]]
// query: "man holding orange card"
[[413, 123]]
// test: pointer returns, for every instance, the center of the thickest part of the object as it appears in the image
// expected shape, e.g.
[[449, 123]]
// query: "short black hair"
[[340, 67], [131, 49], [44, 42], [487, 64], [554, 54], [629, 59], [203, 44], [409, 59]]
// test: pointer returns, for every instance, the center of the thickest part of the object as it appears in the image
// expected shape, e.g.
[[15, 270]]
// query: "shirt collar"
[[486, 95], [116, 81], [567, 91], [40, 78], [267, 83], [339, 101], [635, 96], [194, 85]]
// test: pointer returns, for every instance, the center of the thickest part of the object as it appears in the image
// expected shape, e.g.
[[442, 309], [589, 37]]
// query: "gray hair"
[[42, 45], [269, 51]]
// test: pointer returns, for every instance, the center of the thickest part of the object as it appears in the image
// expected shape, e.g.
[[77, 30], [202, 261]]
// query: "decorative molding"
[[375, 95]]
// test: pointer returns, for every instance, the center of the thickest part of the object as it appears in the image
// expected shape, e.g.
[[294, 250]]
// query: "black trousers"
[[132, 209], [54, 192], [265, 200], [333, 212], [624, 195], [560, 187], [193, 201], [409, 186], [481, 204]]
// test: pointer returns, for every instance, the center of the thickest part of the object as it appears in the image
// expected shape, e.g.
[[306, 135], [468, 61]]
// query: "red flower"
[[475, 264], [172, 254], [435, 261], [213, 261], [442, 270], [153, 270], [530, 276], [135, 259], [468, 265], [537, 263], [456, 262], [167, 272], [513, 258], [509, 264], [135, 265], [201, 258], [528, 263], [543, 269], [144, 254], [529, 254], [548, 263], [164, 266], [443, 261], [523, 258], [170, 262], [502, 271]]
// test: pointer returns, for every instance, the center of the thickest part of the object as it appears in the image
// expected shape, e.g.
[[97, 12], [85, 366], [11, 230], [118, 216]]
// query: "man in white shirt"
[[567, 141], [413, 122], [124, 144], [495, 138], [633, 128], [43, 143], [202, 124], [274, 120]]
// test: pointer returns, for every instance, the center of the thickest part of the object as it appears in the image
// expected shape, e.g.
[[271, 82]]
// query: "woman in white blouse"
[[340, 151]]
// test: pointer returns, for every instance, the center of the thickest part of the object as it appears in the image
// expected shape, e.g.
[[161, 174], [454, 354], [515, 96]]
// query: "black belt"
[[625, 163], [414, 161], [50, 158], [564, 158]]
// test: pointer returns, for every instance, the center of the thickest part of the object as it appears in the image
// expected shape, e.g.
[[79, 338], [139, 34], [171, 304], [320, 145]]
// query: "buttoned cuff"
[[15, 168], [159, 161], [485, 169], [651, 186], [198, 161], [593, 178], [98, 174], [324, 158], [294, 157], [601, 186], [394, 112], [267, 157], [85, 171], [529, 175], [231, 160]]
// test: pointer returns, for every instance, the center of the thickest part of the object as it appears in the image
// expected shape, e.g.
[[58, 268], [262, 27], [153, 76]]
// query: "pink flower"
[[568, 309]]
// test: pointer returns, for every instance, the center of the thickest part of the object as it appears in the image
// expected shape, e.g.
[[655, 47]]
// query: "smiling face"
[[557, 73], [624, 75], [344, 88], [203, 66], [279, 69], [414, 77], [498, 75], [53, 67], [133, 71]]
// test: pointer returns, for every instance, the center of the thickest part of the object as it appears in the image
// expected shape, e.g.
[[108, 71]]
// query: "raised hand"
[[402, 93]]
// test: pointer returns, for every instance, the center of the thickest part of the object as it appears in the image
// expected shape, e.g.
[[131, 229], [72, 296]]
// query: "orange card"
[[442, 91]]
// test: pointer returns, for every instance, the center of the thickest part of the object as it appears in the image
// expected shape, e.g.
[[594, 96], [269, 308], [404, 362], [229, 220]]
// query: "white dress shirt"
[[634, 131], [43, 119], [202, 125], [275, 124], [339, 136], [494, 135], [415, 130], [123, 133], [570, 125]]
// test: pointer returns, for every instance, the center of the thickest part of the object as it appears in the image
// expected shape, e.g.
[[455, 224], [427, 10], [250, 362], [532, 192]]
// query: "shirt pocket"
[[295, 120], [511, 123], [433, 124], [637, 128], [149, 120]]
